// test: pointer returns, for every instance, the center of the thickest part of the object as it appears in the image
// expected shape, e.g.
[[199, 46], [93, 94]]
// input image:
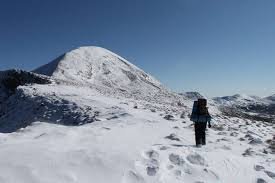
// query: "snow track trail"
[[218, 162]]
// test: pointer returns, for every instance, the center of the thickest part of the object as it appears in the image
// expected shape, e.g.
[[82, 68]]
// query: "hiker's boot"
[[198, 145]]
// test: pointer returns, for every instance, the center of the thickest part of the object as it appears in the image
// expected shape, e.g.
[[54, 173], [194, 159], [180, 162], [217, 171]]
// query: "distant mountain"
[[239, 99], [246, 106]]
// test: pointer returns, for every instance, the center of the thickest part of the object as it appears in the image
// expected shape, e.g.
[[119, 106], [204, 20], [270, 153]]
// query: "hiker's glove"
[[209, 125]]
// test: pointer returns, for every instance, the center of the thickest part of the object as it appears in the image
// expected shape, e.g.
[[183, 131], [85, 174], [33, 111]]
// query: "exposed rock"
[[258, 167], [248, 152], [182, 115], [11, 79], [241, 139], [234, 134], [249, 137], [260, 180], [270, 174], [256, 141], [169, 117], [265, 151], [271, 143]]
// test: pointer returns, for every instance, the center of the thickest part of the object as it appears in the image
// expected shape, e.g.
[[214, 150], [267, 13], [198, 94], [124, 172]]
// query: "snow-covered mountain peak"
[[98, 66], [243, 97], [105, 71], [238, 99]]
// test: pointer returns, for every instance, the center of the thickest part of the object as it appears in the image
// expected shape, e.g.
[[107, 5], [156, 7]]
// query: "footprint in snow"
[[151, 162], [177, 173], [196, 159], [152, 170], [132, 177], [179, 162], [176, 159], [152, 154]]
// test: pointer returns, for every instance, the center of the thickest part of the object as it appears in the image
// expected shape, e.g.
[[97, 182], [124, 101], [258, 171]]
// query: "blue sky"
[[217, 47]]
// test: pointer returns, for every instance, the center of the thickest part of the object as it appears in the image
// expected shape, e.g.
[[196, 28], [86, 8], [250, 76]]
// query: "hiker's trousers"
[[200, 133]]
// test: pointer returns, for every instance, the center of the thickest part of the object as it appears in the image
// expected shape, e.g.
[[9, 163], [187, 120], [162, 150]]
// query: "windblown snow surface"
[[130, 139]]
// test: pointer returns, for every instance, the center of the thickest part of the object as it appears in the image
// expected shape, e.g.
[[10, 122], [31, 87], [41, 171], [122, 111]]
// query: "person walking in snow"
[[200, 116]]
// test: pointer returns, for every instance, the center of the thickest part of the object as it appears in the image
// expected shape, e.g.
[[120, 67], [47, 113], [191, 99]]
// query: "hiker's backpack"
[[202, 109]]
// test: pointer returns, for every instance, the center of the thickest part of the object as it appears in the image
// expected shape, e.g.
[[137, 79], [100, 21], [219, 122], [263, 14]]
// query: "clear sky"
[[217, 47]]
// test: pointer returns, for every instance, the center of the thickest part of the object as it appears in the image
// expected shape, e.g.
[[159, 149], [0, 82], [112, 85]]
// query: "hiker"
[[200, 116]]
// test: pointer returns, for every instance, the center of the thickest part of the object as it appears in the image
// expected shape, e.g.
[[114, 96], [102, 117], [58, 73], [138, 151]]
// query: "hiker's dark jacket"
[[195, 117]]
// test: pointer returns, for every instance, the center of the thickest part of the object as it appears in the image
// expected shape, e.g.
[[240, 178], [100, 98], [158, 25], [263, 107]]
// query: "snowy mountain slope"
[[47, 103], [70, 105], [136, 148], [94, 69], [66, 104]]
